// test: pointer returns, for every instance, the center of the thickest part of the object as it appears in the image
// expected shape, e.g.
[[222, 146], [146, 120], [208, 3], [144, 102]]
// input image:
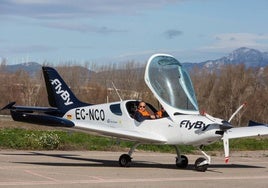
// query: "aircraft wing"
[[144, 137], [240, 132]]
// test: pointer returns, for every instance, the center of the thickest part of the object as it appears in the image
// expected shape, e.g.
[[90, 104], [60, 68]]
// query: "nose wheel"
[[201, 164]]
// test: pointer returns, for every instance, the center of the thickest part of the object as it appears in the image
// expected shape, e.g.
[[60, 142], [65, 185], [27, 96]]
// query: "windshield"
[[171, 83]]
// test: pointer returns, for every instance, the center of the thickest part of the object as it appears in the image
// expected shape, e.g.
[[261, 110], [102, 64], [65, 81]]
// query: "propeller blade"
[[239, 108], [226, 146]]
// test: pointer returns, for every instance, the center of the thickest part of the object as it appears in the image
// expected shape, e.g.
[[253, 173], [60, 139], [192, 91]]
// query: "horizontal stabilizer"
[[41, 119], [8, 106]]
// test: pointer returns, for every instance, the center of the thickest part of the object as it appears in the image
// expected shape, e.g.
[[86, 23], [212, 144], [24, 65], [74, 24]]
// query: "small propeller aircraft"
[[171, 85]]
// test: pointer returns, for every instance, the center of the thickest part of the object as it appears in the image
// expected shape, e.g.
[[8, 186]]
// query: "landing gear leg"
[[181, 160], [201, 164], [125, 159]]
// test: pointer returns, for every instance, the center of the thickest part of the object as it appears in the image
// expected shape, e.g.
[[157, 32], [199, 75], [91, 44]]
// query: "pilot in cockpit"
[[142, 114], [161, 113]]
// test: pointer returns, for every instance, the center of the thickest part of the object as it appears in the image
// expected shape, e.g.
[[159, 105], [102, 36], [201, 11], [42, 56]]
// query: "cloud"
[[27, 49], [83, 28], [230, 41], [69, 8], [172, 33]]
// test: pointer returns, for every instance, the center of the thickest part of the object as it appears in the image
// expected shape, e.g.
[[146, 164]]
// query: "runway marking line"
[[101, 181], [39, 175]]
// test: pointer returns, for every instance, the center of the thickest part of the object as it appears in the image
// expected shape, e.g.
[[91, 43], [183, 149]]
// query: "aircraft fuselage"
[[112, 117]]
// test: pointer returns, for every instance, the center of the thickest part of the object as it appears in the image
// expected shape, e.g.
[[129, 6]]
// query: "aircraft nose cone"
[[225, 125]]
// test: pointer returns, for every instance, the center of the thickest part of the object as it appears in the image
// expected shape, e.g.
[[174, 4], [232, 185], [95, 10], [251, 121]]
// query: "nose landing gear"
[[201, 164]]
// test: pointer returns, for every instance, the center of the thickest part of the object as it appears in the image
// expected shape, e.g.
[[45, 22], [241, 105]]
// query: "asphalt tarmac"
[[101, 169]]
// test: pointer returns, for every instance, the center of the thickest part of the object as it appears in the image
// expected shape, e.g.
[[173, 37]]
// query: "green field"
[[25, 139]]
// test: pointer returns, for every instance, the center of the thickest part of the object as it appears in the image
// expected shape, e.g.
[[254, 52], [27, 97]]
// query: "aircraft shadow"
[[92, 162]]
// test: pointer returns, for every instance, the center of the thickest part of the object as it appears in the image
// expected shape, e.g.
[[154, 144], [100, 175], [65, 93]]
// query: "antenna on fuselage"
[[116, 90]]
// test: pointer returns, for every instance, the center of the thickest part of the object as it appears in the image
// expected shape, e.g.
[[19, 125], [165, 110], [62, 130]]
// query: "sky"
[[111, 31]]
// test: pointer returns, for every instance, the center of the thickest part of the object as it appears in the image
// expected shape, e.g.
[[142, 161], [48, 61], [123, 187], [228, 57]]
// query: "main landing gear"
[[181, 160], [125, 159], [201, 164]]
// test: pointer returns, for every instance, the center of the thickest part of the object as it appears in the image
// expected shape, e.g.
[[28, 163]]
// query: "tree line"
[[219, 93]]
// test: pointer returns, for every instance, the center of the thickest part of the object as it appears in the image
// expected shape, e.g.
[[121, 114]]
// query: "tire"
[[183, 163], [200, 167], [124, 160]]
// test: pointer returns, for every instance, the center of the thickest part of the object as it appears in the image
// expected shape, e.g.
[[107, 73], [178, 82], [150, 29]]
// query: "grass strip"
[[22, 139]]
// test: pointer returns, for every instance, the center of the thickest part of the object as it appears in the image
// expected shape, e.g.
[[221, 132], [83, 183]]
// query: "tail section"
[[59, 94]]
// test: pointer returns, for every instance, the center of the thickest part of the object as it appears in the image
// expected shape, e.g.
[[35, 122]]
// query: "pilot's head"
[[142, 106]]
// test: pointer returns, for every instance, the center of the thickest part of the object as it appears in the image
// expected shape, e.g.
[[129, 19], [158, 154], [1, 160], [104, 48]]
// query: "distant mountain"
[[249, 57], [29, 67], [32, 68]]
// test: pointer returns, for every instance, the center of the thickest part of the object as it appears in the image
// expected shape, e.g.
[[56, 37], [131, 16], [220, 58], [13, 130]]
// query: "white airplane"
[[170, 84]]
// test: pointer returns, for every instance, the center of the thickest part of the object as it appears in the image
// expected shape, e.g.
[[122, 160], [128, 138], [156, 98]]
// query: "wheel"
[[183, 163], [124, 160], [201, 164]]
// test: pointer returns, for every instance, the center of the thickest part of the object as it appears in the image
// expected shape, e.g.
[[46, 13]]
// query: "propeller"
[[226, 125]]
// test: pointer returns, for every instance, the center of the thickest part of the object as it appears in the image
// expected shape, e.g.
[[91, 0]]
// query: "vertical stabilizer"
[[59, 94]]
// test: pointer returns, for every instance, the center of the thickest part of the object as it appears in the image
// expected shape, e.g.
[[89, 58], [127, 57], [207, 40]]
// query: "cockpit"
[[132, 107], [171, 84]]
